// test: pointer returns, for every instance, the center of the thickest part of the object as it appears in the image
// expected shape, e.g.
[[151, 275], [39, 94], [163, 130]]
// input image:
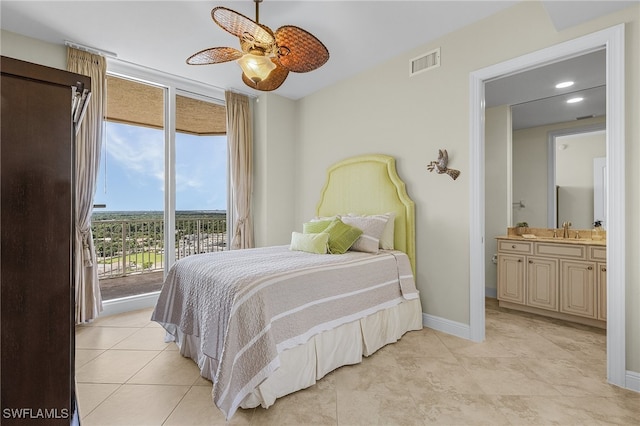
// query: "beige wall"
[[497, 179], [274, 162], [384, 110], [530, 169], [32, 50]]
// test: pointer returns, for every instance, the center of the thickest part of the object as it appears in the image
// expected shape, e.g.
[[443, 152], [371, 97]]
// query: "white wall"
[[384, 110]]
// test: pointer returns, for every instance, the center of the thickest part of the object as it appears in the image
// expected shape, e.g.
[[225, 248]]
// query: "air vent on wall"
[[425, 62]]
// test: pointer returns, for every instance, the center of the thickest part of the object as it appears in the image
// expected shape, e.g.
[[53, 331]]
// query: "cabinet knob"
[[513, 246], [519, 260], [604, 269], [590, 267], [530, 261]]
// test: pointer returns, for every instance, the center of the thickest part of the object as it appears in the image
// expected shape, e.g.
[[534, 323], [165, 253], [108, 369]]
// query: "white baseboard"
[[131, 303], [632, 381], [447, 326]]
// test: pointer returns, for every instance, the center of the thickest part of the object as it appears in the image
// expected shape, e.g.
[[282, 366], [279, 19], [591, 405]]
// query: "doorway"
[[613, 40]]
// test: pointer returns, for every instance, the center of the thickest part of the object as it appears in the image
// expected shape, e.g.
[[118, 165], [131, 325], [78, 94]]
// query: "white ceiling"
[[359, 34], [535, 101]]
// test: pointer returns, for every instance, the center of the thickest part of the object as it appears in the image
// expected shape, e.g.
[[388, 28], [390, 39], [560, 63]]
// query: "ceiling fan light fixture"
[[256, 67], [266, 57]]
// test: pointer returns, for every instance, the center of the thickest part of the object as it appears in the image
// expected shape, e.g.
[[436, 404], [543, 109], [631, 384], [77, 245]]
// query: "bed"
[[263, 323]]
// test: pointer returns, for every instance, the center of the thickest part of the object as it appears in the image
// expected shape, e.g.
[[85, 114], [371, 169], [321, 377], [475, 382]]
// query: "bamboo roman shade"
[[141, 104]]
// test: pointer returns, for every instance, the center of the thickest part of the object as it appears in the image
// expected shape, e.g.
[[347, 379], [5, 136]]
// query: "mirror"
[[576, 187], [548, 184]]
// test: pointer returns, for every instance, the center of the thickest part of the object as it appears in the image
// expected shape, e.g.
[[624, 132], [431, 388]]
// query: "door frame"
[[613, 40]]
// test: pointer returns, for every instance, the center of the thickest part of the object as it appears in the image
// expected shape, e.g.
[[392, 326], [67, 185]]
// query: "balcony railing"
[[127, 247]]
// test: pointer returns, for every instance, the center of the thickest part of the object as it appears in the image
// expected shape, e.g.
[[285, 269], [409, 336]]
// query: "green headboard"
[[369, 184]]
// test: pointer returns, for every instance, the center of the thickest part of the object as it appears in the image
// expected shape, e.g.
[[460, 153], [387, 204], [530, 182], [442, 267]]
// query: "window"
[[201, 177], [138, 208]]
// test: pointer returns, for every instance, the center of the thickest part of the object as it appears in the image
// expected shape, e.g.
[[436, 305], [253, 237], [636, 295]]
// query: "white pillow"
[[372, 228], [388, 234]]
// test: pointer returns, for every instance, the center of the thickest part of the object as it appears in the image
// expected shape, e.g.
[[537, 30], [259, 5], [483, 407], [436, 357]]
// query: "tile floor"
[[529, 371]]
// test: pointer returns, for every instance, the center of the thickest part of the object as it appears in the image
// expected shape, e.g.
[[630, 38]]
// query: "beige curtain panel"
[[88, 143], [240, 146]]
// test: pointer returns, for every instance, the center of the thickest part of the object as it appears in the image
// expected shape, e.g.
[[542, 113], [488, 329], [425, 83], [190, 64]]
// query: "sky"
[[131, 176]]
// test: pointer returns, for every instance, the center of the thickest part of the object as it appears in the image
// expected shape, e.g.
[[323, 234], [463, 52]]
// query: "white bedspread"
[[247, 306]]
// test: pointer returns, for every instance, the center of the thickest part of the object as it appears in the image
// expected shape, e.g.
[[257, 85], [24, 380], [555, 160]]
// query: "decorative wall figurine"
[[440, 165]]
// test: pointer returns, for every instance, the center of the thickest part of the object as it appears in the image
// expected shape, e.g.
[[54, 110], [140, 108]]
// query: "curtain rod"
[[90, 49]]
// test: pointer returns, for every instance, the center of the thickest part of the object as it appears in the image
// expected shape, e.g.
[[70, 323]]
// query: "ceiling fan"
[[266, 58]]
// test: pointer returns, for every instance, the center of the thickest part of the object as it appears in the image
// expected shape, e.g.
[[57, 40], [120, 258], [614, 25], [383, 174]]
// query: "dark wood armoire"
[[36, 246]]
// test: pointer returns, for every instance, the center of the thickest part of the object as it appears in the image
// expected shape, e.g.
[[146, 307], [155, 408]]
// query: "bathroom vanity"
[[563, 278]]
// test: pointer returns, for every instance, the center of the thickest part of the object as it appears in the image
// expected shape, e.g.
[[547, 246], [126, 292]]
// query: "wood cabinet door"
[[36, 244], [602, 291], [578, 288], [511, 278], [542, 283]]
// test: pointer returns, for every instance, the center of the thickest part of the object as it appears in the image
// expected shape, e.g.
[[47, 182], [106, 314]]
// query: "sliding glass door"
[[162, 188]]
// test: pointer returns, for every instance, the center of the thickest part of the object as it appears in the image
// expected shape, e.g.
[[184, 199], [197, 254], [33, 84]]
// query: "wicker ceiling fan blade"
[[298, 50], [215, 55], [242, 27], [275, 79]]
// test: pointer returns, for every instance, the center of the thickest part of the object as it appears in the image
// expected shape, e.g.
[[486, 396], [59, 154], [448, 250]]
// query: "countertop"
[[559, 240]]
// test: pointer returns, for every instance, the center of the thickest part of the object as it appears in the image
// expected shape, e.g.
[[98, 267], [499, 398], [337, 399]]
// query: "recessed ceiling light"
[[564, 84], [574, 100]]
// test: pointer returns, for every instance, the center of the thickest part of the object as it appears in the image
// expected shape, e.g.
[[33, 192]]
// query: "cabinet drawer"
[[514, 246], [598, 254], [567, 251]]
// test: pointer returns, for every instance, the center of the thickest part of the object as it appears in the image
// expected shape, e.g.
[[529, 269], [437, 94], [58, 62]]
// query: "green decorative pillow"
[[315, 227], [341, 236], [312, 243]]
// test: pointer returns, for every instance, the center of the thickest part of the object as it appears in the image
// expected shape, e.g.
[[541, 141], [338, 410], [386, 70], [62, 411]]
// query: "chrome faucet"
[[565, 229]]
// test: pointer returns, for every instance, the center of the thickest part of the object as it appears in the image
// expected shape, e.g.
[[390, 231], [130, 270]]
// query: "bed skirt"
[[301, 366]]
